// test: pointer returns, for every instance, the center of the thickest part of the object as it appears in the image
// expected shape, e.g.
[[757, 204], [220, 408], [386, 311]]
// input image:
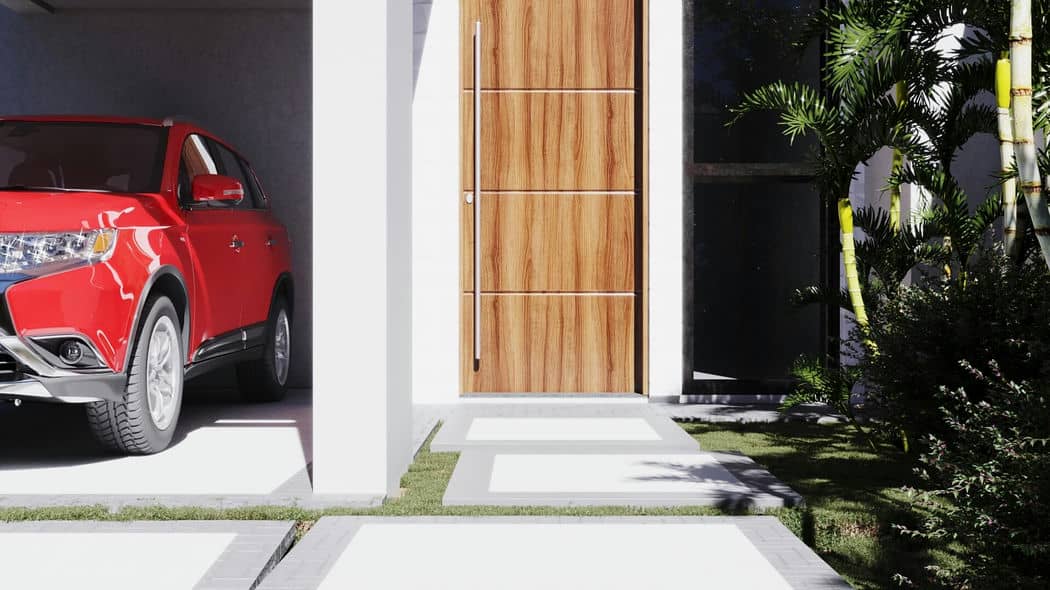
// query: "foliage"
[[822, 382], [988, 485], [998, 313]]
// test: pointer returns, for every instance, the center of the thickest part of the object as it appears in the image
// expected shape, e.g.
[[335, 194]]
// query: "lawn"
[[852, 497]]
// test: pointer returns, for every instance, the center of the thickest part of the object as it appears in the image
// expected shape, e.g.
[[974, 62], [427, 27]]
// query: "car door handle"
[[236, 243], [269, 241]]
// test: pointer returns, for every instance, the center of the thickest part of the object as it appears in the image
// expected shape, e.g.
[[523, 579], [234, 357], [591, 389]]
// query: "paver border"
[[310, 561], [469, 485], [255, 550], [453, 434]]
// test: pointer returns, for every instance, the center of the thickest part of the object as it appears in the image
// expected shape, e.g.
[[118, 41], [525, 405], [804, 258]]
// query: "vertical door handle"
[[477, 194]]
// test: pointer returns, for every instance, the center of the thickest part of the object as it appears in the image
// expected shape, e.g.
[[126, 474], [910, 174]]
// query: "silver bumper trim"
[[31, 389]]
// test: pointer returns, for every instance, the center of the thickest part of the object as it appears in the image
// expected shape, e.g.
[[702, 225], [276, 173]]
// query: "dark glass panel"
[[753, 245], [738, 46]]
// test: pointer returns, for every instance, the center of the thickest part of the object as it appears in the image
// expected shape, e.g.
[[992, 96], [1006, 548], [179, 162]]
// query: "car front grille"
[[8, 367]]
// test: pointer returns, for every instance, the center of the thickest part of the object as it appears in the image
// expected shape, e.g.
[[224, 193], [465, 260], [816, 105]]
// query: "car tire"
[[144, 421], [266, 379]]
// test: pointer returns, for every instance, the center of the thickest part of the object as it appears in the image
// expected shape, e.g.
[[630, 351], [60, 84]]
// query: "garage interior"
[[242, 69]]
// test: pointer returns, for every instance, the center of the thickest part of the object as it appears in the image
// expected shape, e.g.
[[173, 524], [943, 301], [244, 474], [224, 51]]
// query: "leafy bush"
[[997, 311], [988, 487], [822, 382]]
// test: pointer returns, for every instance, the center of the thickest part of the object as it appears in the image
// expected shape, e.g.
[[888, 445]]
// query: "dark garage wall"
[[243, 75]]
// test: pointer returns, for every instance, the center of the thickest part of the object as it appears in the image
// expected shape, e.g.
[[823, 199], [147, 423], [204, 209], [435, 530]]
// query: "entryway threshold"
[[553, 398]]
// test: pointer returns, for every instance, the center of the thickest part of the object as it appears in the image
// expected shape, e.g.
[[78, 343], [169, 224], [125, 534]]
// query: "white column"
[[665, 198], [362, 245]]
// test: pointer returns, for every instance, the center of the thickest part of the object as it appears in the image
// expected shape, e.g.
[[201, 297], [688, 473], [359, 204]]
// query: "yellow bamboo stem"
[[849, 262], [898, 163], [1013, 224]]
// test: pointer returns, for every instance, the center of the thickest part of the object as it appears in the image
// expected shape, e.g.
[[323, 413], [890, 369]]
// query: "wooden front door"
[[558, 237]]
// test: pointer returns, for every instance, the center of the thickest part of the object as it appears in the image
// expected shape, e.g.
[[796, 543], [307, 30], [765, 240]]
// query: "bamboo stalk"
[[898, 163], [1024, 134], [849, 262], [1013, 225]]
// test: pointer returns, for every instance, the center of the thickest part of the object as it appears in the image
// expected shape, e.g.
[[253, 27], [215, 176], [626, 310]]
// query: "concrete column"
[[362, 245]]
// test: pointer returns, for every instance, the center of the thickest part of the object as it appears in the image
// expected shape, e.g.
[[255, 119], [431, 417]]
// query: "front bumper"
[[33, 378]]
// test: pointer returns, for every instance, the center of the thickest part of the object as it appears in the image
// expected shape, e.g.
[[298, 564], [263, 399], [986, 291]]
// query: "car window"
[[196, 159], [258, 196], [229, 165], [74, 155]]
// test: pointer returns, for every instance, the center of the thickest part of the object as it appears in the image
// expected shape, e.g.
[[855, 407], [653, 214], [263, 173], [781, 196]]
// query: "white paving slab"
[[115, 560], [610, 427], [552, 553], [133, 555], [537, 476]]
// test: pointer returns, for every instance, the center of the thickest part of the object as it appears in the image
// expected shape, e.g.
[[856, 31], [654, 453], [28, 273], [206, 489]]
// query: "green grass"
[[853, 497]]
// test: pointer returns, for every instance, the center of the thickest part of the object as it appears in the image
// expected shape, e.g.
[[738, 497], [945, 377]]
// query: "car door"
[[217, 242], [260, 236]]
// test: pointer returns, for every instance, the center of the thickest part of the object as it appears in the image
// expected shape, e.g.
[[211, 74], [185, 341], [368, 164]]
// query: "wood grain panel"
[[551, 43], [550, 343], [561, 141], [551, 242]]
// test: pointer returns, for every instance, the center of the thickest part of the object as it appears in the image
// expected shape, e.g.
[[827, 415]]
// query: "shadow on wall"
[[420, 25], [245, 75]]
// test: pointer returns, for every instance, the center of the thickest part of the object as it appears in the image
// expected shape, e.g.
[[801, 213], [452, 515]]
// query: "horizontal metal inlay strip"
[[540, 193], [560, 293], [553, 91]]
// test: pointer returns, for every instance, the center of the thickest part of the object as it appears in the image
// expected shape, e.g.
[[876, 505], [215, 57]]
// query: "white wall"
[[666, 265], [436, 203]]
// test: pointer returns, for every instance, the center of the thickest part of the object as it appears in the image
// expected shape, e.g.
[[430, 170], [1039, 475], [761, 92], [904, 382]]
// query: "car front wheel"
[[144, 422]]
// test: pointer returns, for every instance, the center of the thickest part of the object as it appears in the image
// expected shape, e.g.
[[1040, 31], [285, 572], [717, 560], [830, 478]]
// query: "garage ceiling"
[[60, 6]]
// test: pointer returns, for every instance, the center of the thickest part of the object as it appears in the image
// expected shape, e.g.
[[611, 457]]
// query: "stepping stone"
[[525, 553], [642, 432], [537, 476], [205, 555]]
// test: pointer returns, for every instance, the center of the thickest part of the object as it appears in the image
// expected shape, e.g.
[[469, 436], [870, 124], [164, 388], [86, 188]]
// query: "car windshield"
[[81, 156]]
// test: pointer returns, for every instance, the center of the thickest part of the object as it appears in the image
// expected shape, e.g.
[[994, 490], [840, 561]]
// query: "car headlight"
[[40, 253]]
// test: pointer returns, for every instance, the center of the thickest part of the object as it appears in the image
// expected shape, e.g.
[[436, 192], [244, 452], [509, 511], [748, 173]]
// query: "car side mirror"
[[216, 188]]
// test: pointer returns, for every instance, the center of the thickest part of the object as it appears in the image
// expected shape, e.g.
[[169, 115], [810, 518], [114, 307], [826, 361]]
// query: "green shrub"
[[998, 311], [988, 487]]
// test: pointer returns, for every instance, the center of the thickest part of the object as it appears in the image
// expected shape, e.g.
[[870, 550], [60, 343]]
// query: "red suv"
[[135, 254]]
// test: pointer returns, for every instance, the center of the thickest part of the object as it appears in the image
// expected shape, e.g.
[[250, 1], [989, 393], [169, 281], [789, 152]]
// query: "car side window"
[[229, 165], [196, 159]]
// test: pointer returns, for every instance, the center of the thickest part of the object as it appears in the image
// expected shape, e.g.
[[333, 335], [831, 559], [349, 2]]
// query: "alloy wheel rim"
[[163, 373], [282, 347]]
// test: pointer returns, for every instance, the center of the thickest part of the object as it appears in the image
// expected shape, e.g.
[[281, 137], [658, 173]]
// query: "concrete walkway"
[[524, 553], [204, 555], [530, 454]]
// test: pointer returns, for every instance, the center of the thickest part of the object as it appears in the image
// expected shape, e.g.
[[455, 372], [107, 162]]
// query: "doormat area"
[[597, 427]]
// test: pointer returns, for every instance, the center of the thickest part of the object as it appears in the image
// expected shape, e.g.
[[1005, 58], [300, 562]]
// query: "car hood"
[[40, 211]]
